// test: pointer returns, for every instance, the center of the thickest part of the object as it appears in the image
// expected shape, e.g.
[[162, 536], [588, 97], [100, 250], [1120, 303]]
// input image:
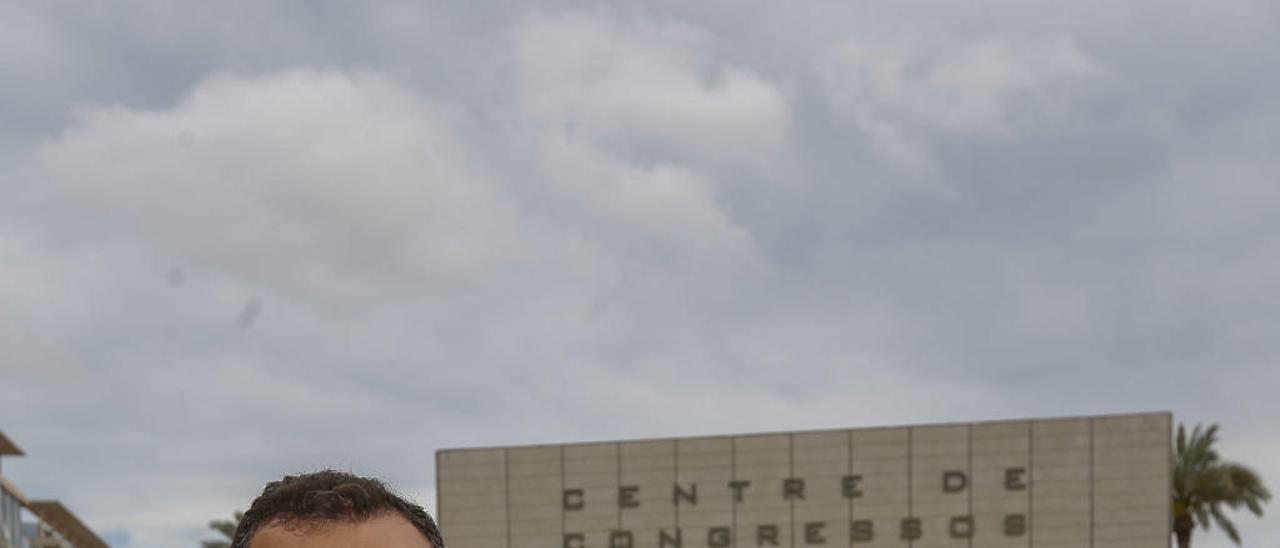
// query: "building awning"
[[13, 491], [54, 514], [8, 448]]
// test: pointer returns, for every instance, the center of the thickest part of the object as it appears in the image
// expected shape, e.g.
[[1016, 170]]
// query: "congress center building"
[[1099, 481]]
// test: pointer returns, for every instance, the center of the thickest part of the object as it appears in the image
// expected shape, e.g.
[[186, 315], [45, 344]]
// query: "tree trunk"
[[1182, 527]]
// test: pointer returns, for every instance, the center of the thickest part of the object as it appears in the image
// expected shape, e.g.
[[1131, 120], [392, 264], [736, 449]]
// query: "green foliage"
[[1204, 485], [225, 527]]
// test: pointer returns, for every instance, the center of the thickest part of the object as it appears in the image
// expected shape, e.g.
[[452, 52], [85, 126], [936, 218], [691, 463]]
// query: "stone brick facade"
[[1050, 483]]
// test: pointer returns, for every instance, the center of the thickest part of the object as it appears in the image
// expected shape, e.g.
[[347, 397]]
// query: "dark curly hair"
[[329, 496]]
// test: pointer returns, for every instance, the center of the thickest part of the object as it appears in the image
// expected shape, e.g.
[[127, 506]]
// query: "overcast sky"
[[250, 239]]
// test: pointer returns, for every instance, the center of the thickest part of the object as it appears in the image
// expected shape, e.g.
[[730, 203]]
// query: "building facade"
[[26, 523], [1047, 483]]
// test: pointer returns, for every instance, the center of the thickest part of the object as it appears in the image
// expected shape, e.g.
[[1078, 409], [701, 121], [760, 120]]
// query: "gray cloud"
[[521, 223]]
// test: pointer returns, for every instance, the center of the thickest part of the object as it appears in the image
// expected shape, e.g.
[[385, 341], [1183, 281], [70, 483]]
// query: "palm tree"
[[227, 528], [1203, 484]]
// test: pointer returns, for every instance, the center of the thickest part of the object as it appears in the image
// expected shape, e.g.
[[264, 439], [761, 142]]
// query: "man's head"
[[334, 509]]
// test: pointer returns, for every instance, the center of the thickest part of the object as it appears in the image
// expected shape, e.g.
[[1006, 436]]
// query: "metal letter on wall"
[[738, 487], [912, 529], [574, 499], [767, 533], [961, 527], [862, 530], [849, 486], [666, 540], [719, 537], [627, 496], [793, 488], [1015, 479], [679, 493], [813, 533], [1015, 525], [621, 539]]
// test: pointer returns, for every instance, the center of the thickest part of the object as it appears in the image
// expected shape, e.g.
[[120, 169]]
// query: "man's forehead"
[[389, 530]]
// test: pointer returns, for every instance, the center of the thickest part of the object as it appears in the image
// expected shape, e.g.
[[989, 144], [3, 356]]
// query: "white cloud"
[[598, 81], [32, 356], [593, 210], [637, 124], [310, 180], [28, 281], [33, 287], [668, 203], [901, 98]]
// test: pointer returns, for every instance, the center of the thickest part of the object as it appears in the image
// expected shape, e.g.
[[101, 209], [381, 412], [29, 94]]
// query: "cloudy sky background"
[[244, 240]]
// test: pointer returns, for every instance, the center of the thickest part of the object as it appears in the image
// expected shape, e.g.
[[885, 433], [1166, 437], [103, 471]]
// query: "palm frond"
[[226, 528], [1226, 524], [1204, 485]]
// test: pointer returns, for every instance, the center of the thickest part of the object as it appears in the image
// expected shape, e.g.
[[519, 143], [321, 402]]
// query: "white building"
[[26, 523], [1080, 482]]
